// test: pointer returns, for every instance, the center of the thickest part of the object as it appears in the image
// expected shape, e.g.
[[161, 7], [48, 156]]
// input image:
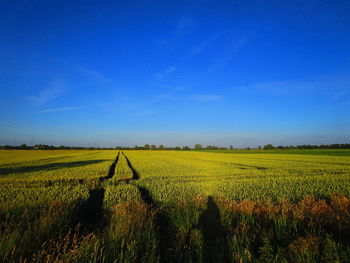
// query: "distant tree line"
[[309, 146], [50, 147], [196, 147], [154, 147]]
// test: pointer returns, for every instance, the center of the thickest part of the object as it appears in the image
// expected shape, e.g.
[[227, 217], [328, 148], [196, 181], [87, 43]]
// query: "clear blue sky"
[[242, 73]]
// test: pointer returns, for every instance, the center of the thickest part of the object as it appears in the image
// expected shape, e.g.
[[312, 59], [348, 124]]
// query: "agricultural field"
[[174, 206]]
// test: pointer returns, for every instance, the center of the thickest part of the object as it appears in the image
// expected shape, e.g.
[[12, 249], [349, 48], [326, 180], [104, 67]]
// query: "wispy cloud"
[[281, 88], [340, 94], [180, 28], [60, 109], [164, 96], [335, 87], [203, 45], [186, 24], [206, 97], [55, 90], [195, 97], [199, 48], [227, 55], [92, 74], [144, 113], [165, 73]]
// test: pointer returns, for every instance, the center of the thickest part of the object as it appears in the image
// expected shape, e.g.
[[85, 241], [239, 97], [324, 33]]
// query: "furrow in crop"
[[135, 175], [162, 220], [111, 170], [90, 213]]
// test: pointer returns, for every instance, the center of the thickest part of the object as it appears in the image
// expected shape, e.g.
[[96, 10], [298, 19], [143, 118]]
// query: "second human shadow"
[[214, 240]]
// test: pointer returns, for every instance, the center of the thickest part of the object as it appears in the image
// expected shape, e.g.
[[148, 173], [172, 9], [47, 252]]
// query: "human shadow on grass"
[[47, 167], [90, 213], [215, 245], [166, 231]]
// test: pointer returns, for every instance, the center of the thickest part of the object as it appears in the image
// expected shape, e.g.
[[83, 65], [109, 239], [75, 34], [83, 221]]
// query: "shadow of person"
[[90, 213], [214, 242]]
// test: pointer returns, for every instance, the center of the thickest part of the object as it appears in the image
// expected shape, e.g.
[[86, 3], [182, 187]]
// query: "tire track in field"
[[90, 213], [135, 175], [86, 218], [162, 220], [111, 170]]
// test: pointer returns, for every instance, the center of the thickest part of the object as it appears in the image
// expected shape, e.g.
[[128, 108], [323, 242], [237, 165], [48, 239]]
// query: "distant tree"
[[153, 147], [139, 147], [231, 147], [177, 148], [269, 147], [197, 146], [147, 147], [212, 147], [186, 148], [259, 147], [161, 147], [23, 146]]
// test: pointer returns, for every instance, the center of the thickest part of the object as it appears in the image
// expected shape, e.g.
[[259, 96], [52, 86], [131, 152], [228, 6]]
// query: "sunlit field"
[[174, 206]]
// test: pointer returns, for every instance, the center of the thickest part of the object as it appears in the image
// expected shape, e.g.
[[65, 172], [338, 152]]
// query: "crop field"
[[174, 206]]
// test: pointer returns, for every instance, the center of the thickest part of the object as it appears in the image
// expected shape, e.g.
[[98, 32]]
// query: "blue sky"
[[242, 73]]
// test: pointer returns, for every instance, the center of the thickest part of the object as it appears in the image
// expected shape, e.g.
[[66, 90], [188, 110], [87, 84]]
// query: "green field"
[[175, 206], [335, 152]]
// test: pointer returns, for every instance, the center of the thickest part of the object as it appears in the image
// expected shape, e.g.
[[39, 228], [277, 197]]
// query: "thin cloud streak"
[[340, 94], [203, 45], [195, 97], [333, 86], [60, 109], [55, 90], [228, 54], [206, 97], [166, 72], [92, 74], [186, 25]]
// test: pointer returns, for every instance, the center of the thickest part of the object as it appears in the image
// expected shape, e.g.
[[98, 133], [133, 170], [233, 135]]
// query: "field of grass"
[[335, 152], [175, 206]]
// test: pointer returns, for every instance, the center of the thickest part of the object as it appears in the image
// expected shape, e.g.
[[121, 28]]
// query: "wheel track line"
[[162, 220], [90, 214], [135, 174], [111, 171]]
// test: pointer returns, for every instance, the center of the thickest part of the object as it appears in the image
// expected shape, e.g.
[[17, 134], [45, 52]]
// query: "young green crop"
[[41, 166], [240, 176], [173, 206]]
